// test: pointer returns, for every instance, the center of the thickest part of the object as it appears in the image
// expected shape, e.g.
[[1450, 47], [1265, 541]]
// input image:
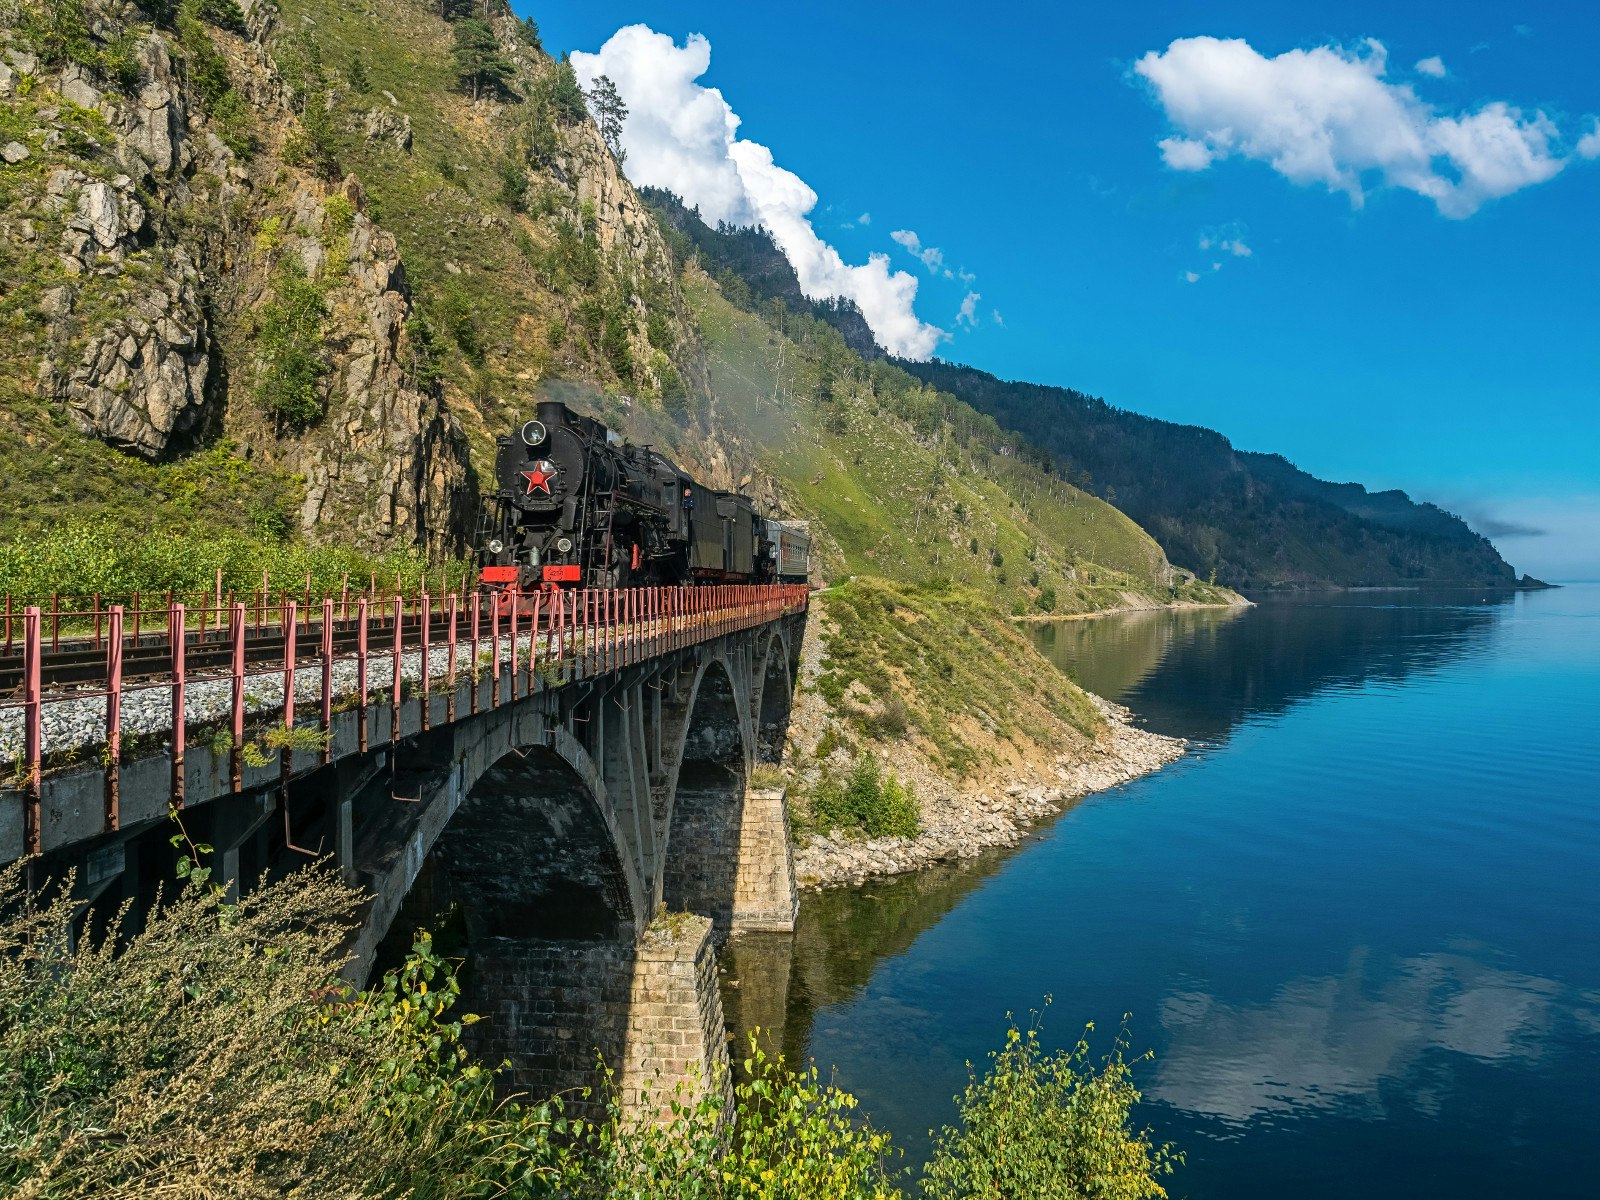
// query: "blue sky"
[[1447, 345]]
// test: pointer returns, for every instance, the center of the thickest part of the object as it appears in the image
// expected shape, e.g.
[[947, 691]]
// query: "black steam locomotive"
[[575, 506]]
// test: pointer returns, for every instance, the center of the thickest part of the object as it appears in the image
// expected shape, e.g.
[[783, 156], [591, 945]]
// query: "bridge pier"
[[766, 898], [650, 1010]]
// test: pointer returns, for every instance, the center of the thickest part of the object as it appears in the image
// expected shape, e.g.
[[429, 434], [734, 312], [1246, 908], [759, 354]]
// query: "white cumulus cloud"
[[1327, 115], [932, 257], [1234, 245], [967, 314], [1589, 143], [682, 136], [1433, 65]]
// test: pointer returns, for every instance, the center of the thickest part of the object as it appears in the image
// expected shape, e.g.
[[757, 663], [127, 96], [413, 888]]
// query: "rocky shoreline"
[[962, 825]]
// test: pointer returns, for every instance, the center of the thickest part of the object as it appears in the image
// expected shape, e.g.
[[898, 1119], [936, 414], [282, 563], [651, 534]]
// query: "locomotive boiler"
[[575, 506]]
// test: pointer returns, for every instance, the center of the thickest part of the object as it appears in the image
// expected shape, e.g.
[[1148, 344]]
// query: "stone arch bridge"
[[572, 803]]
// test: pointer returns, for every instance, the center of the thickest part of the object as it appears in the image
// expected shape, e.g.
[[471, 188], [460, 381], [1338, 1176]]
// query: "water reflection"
[[1358, 931], [777, 982], [1330, 1042], [1198, 673]]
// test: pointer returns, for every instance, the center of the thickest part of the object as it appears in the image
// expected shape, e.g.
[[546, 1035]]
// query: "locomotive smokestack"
[[553, 413]]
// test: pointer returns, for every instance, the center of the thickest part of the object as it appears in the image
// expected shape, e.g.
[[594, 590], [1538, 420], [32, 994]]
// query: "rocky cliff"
[[214, 234]]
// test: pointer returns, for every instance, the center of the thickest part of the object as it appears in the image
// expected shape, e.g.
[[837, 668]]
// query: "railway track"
[[78, 661]]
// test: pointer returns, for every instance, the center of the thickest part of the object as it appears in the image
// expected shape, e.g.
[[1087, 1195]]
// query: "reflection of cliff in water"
[[1110, 656], [779, 981], [1198, 673]]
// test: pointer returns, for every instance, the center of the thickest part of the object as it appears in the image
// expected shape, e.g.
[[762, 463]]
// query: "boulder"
[[97, 204]]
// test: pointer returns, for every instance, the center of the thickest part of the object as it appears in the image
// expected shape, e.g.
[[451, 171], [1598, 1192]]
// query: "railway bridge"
[[563, 784]]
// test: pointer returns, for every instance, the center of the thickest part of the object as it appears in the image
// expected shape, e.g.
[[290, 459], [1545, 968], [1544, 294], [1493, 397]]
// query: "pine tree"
[[609, 114], [478, 58]]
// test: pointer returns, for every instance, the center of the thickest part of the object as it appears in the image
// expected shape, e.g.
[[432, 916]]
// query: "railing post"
[[494, 637], [290, 616], [561, 633], [236, 630], [327, 679], [515, 597], [581, 630], [477, 612], [33, 722], [608, 629], [175, 628], [533, 642], [113, 759], [425, 603], [399, 679], [361, 672], [450, 659]]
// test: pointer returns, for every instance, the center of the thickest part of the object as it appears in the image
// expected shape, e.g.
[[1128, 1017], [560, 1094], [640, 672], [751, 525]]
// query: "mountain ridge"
[[1251, 519], [1317, 532]]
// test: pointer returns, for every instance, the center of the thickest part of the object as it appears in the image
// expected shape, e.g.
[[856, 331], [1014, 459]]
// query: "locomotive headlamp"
[[496, 545], [533, 433], [563, 545]]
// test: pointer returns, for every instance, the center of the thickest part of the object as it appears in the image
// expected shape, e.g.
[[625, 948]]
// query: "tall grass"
[[84, 557]]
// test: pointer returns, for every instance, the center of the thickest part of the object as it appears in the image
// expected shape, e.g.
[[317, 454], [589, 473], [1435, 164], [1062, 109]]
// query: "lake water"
[[1357, 924]]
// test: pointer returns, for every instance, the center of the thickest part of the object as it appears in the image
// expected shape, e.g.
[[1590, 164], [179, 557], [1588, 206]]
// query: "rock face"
[[158, 310], [141, 383], [383, 125], [389, 461], [139, 379]]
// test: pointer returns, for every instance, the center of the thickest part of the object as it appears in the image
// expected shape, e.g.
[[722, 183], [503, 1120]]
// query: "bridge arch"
[[706, 812], [529, 879], [534, 850], [774, 694]]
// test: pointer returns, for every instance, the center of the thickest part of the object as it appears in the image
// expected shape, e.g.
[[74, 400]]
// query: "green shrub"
[[290, 346], [458, 315], [208, 70], [513, 186], [866, 800], [891, 720], [898, 814], [614, 344], [356, 73], [788, 1134], [217, 1043], [1046, 601], [1038, 1124]]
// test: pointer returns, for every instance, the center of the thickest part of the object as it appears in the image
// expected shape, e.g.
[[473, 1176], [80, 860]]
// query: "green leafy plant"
[[785, 1134], [215, 1042], [290, 347], [866, 800], [1048, 1124]]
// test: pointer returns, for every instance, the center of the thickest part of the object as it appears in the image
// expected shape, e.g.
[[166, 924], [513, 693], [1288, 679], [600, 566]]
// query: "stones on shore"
[[966, 825]]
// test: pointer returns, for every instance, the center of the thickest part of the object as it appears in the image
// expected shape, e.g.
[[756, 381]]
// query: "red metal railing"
[[554, 638]]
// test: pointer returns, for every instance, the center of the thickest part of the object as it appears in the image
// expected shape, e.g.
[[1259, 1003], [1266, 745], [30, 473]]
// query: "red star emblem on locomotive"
[[541, 475]]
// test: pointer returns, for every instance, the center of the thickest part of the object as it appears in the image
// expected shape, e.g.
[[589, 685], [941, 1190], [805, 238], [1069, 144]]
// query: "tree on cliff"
[[479, 63], [609, 114]]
